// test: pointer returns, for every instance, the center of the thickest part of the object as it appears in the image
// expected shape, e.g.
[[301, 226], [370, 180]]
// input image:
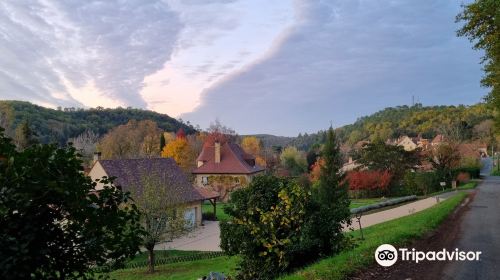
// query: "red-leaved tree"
[[369, 181]]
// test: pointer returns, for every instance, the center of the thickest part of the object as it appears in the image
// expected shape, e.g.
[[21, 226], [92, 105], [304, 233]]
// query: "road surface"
[[479, 231]]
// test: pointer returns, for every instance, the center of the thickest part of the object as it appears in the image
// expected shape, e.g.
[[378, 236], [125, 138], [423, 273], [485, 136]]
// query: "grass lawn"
[[355, 203], [222, 216], [468, 186], [162, 254], [180, 271], [395, 232], [207, 207]]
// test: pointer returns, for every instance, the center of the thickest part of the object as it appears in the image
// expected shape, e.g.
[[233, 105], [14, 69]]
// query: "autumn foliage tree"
[[253, 146], [374, 182], [131, 140], [180, 150]]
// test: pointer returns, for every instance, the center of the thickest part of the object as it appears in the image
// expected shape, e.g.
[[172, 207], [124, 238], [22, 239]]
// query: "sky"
[[277, 67]]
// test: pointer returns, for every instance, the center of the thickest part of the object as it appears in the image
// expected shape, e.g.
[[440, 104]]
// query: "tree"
[[181, 152], [265, 227], [24, 136], [381, 156], [371, 182], [86, 145], [253, 146], [482, 27], [294, 161], [330, 211], [131, 140], [315, 173], [161, 215], [162, 141], [217, 132], [54, 223], [444, 158]]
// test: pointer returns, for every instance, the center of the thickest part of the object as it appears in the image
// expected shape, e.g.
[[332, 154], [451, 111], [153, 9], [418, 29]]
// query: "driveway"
[[479, 231], [204, 238]]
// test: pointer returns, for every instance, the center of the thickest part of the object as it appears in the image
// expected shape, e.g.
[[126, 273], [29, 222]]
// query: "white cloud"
[[219, 38]]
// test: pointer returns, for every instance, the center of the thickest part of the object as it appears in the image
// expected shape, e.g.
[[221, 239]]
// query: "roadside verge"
[[397, 232]]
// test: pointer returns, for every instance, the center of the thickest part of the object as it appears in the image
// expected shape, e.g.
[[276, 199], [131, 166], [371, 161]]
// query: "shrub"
[[266, 223], [463, 177], [474, 172], [421, 183]]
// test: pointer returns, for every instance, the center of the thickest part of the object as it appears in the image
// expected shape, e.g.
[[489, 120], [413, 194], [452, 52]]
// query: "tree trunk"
[[151, 260]]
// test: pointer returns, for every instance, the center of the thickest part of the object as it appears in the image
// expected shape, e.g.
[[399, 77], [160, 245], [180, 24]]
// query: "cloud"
[[218, 39], [83, 49], [345, 59]]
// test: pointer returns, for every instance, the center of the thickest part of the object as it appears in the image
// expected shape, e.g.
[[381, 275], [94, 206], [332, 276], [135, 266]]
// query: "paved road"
[[479, 231], [487, 166]]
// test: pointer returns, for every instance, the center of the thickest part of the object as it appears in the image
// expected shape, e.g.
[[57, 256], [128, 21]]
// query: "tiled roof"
[[233, 160], [130, 172]]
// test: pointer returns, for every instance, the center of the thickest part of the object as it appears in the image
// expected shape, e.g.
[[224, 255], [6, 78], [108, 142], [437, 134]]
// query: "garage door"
[[190, 216]]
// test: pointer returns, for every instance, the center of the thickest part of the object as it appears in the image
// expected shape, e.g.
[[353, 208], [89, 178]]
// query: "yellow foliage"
[[181, 152]]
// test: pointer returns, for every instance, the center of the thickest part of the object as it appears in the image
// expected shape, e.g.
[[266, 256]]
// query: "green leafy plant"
[[55, 224]]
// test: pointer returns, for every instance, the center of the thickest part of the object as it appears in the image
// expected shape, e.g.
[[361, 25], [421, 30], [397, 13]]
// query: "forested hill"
[[59, 125], [460, 122]]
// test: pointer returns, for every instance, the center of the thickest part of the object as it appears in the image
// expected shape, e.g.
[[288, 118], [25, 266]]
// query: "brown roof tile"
[[233, 161], [129, 172]]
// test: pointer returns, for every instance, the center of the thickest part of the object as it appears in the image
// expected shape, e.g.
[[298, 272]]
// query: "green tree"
[[162, 141], [381, 156], [54, 223], [482, 27], [265, 226], [330, 210], [294, 161]]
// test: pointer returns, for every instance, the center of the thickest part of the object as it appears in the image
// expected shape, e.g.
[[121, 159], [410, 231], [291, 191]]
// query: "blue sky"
[[279, 67]]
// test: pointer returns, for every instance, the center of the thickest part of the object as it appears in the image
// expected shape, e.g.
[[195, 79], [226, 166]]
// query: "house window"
[[204, 180]]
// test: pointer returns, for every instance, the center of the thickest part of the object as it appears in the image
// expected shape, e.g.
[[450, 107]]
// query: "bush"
[[463, 177], [265, 228], [473, 171], [421, 183]]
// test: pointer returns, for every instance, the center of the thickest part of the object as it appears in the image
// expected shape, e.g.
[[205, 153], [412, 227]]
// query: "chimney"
[[97, 156], [217, 152]]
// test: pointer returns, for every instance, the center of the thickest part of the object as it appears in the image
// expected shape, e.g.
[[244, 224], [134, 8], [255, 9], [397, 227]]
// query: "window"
[[204, 180]]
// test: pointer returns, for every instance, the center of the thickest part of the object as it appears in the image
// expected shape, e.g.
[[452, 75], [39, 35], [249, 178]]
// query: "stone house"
[[224, 167]]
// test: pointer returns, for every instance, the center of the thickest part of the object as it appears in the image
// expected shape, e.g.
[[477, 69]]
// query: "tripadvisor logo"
[[387, 255]]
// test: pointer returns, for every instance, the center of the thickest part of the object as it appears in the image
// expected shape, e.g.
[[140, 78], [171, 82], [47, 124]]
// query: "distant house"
[[224, 167], [131, 172], [409, 144], [439, 139], [350, 165]]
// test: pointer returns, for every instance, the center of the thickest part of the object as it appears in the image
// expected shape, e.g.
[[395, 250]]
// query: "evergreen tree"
[[331, 201], [162, 141]]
